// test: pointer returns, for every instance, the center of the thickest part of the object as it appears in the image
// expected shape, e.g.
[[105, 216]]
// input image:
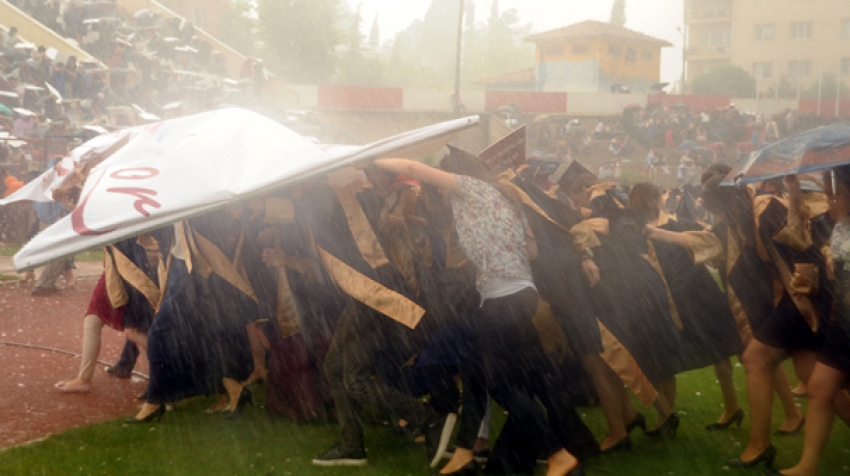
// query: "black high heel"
[[245, 398], [638, 422], [623, 445], [156, 415], [669, 427], [737, 419], [469, 469], [767, 456], [799, 428]]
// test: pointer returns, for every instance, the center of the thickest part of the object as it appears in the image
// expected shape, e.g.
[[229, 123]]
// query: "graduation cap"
[[170, 39], [124, 42], [23, 112], [25, 46], [9, 94], [32, 87], [567, 174], [54, 93], [185, 49]]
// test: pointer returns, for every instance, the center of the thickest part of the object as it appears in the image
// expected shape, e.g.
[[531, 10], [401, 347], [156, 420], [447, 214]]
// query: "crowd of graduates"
[[379, 285]]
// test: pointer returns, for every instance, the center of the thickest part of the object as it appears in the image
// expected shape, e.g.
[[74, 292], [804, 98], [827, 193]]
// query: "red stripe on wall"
[[352, 97], [528, 102], [827, 107]]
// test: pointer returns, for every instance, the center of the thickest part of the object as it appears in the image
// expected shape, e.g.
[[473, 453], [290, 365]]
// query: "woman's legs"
[[92, 325], [760, 364], [793, 415], [612, 399], [259, 344], [137, 337], [723, 371], [823, 387], [666, 401]]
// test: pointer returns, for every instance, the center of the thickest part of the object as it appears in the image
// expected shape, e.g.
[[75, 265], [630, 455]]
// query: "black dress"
[[709, 331]]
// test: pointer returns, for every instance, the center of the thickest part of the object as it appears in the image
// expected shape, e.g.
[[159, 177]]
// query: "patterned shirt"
[[491, 232], [840, 243]]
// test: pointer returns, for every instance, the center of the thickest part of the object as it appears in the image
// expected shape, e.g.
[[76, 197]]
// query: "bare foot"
[[76, 385], [460, 458], [561, 464]]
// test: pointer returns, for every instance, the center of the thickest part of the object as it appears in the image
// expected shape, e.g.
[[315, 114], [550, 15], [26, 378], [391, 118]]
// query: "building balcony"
[[708, 52], [708, 15]]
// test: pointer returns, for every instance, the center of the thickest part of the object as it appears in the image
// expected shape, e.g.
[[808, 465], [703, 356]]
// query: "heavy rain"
[[410, 237]]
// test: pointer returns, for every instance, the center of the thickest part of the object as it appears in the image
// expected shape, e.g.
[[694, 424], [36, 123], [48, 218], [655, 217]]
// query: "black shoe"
[[638, 422], [469, 469], [772, 472], [118, 372], [669, 427], [337, 456], [767, 456], [437, 435], [156, 415], [736, 419], [623, 445], [794, 431], [245, 398]]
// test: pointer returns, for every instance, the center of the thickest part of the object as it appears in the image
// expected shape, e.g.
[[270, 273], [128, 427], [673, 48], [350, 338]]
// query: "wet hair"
[[714, 170], [460, 162], [733, 202], [644, 198], [581, 183]]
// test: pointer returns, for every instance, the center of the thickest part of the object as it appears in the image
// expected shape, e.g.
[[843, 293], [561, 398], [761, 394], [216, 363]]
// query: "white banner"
[[177, 169]]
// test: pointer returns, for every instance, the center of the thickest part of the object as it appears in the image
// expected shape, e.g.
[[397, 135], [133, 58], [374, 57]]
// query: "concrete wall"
[[596, 104]]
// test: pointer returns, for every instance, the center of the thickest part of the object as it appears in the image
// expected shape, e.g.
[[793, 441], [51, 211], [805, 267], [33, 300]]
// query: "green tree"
[[786, 88], [827, 88], [299, 38], [356, 66], [239, 29], [726, 80], [618, 13]]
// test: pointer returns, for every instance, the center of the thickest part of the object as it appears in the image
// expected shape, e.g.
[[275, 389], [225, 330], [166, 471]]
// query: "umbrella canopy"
[[811, 151], [177, 169], [688, 145]]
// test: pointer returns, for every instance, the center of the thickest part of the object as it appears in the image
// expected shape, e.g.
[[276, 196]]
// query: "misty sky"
[[658, 18]]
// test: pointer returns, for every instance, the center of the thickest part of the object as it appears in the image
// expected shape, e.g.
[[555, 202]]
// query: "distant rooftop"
[[594, 29]]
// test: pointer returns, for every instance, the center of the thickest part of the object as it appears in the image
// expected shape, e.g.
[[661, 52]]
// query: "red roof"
[[524, 76], [594, 29]]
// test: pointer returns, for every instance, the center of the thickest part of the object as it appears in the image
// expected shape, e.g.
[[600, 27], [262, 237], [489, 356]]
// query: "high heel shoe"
[[577, 471], [737, 419], [245, 398], [623, 445], [669, 427], [767, 456], [469, 469], [638, 422], [156, 415], [799, 428]]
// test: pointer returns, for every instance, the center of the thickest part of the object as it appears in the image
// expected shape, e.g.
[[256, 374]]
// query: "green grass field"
[[188, 442]]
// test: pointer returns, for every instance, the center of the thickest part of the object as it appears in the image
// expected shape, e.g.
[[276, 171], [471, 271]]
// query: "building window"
[[631, 55], [763, 70], [553, 50], [581, 49], [647, 55], [764, 32], [801, 30], [845, 66], [717, 38], [799, 68], [615, 51], [845, 28]]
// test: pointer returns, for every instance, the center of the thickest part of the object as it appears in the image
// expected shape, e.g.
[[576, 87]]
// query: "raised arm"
[[420, 172], [670, 237]]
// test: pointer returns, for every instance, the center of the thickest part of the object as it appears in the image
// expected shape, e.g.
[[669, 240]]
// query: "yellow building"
[[589, 56], [801, 39]]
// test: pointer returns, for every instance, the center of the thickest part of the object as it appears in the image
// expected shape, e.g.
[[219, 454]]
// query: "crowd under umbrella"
[[811, 151]]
